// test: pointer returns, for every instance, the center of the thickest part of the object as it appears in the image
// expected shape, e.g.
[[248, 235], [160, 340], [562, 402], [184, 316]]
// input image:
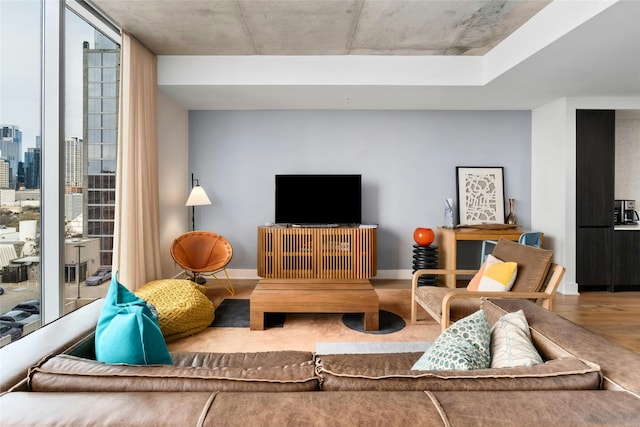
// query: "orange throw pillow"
[[472, 286]]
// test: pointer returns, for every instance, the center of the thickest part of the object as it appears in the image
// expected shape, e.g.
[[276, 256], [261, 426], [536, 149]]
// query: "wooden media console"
[[316, 270], [317, 253]]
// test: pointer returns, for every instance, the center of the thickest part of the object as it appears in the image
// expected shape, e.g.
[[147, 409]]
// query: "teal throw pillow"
[[127, 331], [464, 345]]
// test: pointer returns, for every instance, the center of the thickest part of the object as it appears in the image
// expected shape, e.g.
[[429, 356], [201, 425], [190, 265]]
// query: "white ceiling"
[[395, 54]]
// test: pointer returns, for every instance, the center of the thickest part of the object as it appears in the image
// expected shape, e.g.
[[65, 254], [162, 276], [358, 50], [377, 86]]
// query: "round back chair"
[[203, 253]]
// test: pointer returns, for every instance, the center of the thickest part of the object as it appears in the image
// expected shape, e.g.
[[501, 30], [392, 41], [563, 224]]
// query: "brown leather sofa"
[[587, 380]]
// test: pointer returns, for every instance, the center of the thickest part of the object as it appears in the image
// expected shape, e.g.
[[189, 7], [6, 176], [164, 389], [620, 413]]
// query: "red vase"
[[423, 236]]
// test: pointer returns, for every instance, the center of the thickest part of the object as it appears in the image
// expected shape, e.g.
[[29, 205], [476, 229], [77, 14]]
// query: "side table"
[[448, 238], [425, 257]]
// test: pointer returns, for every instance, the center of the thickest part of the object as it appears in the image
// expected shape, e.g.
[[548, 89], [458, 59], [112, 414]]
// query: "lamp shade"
[[198, 197]]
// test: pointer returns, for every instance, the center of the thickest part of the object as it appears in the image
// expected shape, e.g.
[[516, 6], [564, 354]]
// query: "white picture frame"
[[480, 195]]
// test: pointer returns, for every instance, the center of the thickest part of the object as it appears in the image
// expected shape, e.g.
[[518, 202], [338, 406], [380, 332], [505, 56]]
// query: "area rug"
[[388, 323], [234, 313], [371, 347]]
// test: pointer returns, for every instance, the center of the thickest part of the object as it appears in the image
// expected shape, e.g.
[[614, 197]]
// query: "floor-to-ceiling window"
[[92, 75], [20, 137], [45, 258]]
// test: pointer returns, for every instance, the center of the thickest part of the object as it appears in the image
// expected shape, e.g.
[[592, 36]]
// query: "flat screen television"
[[318, 199]]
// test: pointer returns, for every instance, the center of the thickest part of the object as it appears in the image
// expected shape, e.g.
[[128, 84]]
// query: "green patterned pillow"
[[464, 345]]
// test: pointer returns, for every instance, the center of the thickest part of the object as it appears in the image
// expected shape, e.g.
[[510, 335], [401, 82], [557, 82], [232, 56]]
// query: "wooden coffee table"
[[314, 296]]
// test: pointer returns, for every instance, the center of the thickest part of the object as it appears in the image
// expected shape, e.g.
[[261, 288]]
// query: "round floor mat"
[[388, 323]]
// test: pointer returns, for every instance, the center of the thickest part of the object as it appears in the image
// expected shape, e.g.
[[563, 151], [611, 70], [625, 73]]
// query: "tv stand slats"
[[317, 253]]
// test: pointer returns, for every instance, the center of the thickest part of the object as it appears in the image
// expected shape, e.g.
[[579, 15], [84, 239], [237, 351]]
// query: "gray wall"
[[407, 160]]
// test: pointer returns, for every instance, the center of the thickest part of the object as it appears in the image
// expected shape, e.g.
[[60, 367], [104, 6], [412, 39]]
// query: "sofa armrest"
[[620, 366], [56, 337], [461, 293]]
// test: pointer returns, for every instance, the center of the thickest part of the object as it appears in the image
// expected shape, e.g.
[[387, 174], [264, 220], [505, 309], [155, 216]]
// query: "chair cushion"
[[533, 264], [127, 331], [432, 296], [183, 308]]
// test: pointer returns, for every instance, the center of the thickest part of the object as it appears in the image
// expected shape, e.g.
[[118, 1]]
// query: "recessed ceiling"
[[320, 27], [366, 54]]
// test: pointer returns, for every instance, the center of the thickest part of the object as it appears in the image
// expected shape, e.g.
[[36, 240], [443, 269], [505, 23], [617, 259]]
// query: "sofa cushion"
[[464, 345], [343, 372], [265, 371], [533, 264], [127, 331], [511, 344]]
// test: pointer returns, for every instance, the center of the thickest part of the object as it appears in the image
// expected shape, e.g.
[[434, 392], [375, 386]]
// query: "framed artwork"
[[480, 195]]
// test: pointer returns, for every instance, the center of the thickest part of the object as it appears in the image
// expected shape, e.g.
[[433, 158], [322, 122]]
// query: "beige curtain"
[[136, 248]]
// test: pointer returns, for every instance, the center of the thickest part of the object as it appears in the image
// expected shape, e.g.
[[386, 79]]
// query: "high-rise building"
[[11, 150], [74, 170], [100, 108], [4, 174], [32, 168], [72, 206], [20, 176]]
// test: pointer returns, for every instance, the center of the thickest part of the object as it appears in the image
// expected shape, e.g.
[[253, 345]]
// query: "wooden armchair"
[[537, 279]]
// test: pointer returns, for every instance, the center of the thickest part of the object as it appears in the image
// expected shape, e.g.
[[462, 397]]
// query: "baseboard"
[[243, 274], [252, 274], [394, 274], [568, 289]]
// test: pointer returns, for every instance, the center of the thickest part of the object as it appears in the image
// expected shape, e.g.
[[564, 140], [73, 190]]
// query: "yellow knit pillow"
[[498, 277], [183, 308]]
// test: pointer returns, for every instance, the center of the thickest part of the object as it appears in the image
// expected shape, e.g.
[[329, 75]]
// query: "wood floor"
[[615, 315]]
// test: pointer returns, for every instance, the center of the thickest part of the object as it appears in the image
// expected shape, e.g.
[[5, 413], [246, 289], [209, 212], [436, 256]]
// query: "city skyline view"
[[91, 73], [18, 93]]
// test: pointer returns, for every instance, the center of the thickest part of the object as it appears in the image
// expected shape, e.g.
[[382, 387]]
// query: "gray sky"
[[20, 23]]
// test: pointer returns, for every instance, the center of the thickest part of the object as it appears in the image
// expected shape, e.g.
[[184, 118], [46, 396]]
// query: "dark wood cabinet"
[[595, 167], [594, 258], [626, 264], [595, 184]]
